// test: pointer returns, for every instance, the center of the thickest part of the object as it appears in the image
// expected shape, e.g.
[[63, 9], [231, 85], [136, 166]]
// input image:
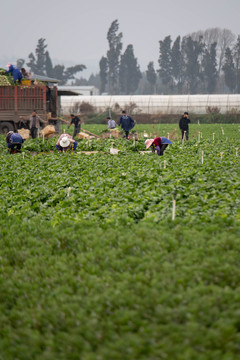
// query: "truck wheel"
[[5, 127]]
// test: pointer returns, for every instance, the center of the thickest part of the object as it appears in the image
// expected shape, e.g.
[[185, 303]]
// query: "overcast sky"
[[76, 30]]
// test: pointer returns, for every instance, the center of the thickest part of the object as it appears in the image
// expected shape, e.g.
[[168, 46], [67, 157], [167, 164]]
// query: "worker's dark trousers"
[[34, 132], [160, 149], [186, 134], [76, 130], [126, 134], [14, 148]]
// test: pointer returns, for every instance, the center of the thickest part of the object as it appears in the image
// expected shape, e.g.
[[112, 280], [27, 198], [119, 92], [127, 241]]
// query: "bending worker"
[[14, 142], [16, 73], [66, 142], [160, 144]]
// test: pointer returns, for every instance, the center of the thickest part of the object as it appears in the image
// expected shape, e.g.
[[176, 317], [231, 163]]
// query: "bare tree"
[[224, 38]]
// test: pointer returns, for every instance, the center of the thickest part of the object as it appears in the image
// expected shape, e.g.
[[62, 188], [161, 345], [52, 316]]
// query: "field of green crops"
[[92, 265]]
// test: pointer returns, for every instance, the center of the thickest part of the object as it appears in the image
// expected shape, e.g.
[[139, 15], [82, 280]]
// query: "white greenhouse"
[[154, 104]]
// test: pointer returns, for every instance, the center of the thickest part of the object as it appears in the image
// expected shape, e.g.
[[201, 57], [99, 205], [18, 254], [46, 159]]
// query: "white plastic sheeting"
[[154, 104]]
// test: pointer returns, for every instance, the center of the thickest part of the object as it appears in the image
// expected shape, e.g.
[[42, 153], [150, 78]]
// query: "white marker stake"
[[221, 153], [202, 156], [69, 190], [164, 164], [168, 135], [236, 151], [23, 154], [174, 208], [64, 131], [213, 136], [222, 131], [198, 122], [199, 136]]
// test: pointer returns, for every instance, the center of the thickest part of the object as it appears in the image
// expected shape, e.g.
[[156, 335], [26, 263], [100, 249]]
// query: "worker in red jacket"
[[160, 144]]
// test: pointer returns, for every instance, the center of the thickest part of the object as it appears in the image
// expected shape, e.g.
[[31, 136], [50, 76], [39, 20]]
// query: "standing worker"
[[126, 122], [14, 142], [183, 125], [77, 124], [160, 144], [34, 125]]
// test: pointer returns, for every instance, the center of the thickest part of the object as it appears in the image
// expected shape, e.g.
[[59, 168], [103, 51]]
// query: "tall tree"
[[193, 50], [165, 67], [113, 57], [151, 77], [229, 70], [209, 65], [37, 61], [129, 72], [236, 56], [103, 65], [48, 65], [177, 63]]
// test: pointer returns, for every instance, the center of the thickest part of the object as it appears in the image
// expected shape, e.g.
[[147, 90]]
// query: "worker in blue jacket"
[[16, 73], [126, 122], [14, 142]]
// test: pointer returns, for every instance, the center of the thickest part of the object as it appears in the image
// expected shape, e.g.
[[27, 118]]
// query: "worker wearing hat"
[[160, 144], [66, 142]]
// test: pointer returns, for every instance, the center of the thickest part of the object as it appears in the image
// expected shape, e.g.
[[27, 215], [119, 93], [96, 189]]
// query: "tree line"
[[204, 62]]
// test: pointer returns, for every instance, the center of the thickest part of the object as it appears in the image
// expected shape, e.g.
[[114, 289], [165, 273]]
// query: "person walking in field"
[[77, 124], [66, 142], [183, 125], [34, 125], [126, 122], [160, 144], [14, 142]]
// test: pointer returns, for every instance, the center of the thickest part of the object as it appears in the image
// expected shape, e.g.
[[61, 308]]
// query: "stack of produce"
[[5, 79]]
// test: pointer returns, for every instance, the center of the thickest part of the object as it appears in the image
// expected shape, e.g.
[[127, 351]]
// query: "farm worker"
[[34, 125], [160, 144], [16, 73], [126, 122], [77, 124], [111, 123], [14, 142], [26, 74], [183, 124], [66, 142]]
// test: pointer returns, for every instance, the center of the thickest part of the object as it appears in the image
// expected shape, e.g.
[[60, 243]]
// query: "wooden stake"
[[222, 131], [202, 156], [221, 153], [168, 135], [213, 136], [69, 190], [23, 154], [199, 135], [174, 207]]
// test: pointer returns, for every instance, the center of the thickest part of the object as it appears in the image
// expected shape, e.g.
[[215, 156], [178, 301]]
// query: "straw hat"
[[149, 142], [65, 142]]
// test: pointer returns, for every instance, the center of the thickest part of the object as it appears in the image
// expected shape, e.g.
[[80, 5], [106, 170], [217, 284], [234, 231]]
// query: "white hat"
[[149, 142], [65, 142]]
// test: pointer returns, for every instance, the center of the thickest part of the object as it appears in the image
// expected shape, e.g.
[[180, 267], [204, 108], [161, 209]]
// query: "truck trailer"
[[20, 101]]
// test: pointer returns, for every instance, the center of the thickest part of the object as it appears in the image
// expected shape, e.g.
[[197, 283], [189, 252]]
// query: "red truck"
[[16, 101]]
